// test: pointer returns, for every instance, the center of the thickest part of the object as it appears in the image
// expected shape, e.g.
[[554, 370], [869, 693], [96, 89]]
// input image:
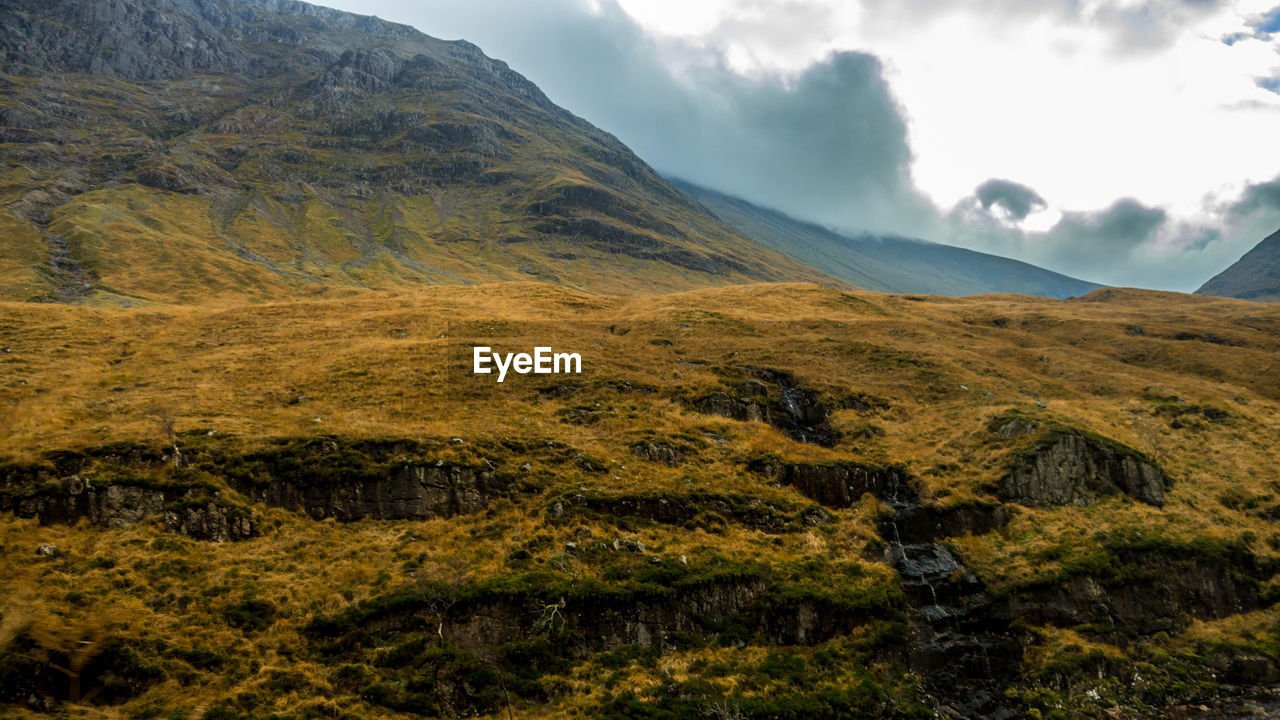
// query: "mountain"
[[176, 150], [1255, 276], [886, 263]]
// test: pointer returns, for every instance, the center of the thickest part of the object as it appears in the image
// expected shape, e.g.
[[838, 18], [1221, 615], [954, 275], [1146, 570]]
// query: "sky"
[[1127, 142]]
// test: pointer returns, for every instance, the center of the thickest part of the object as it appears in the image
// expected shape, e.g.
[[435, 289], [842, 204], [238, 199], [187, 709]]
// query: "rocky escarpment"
[[345, 479], [773, 397], [539, 622], [835, 485], [123, 484], [691, 510], [189, 509], [750, 608], [960, 638], [959, 633], [934, 522], [1075, 469], [1148, 590], [64, 490], [412, 492]]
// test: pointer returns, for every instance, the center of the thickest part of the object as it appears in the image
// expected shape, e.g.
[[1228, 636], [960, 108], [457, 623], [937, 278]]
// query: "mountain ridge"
[[1255, 276], [883, 263], [268, 148]]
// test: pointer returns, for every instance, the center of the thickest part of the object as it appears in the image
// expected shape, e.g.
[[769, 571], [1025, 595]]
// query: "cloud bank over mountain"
[[831, 140]]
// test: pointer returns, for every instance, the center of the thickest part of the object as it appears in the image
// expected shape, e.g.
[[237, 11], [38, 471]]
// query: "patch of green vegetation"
[[250, 613]]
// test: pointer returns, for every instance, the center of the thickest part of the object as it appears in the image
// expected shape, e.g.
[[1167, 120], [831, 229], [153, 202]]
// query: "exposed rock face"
[[698, 510], [117, 505], [211, 521], [773, 397], [1163, 596], [837, 485], [1256, 276], [413, 492], [959, 634], [931, 522], [664, 453], [1076, 470], [644, 619]]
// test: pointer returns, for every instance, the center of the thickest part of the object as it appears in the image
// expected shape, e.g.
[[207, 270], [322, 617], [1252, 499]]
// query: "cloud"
[[1257, 199], [1261, 27], [1151, 25], [1128, 243], [1086, 243], [829, 145], [1018, 200], [1266, 23], [1141, 26], [1270, 84]]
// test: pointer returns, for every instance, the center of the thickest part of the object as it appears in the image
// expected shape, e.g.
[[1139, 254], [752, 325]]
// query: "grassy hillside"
[[886, 263], [617, 544], [160, 152]]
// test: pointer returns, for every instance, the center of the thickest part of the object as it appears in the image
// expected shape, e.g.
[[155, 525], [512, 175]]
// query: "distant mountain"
[[1256, 276], [173, 150], [886, 263]]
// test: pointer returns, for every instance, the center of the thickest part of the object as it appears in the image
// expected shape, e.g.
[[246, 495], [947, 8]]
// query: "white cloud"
[[1084, 102]]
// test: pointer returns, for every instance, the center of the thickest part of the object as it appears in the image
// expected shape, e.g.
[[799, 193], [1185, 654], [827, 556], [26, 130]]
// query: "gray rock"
[[414, 492], [1076, 470], [665, 453]]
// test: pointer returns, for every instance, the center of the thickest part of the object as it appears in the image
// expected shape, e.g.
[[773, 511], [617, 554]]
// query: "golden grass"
[[397, 364]]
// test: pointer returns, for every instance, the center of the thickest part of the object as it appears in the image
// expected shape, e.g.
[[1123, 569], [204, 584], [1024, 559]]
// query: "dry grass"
[[397, 365]]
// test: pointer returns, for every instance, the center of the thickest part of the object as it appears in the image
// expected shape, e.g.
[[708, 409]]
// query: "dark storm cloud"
[[830, 145], [1017, 199], [1128, 243], [1084, 242], [1259, 197]]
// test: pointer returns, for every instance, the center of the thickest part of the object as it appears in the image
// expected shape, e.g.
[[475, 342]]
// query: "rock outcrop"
[[414, 492], [773, 397], [185, 509], [211, 521], [646, 617], [1075, 470], [665, 453], [934, 522], [835, 485], [694, 510], [1160, 590]]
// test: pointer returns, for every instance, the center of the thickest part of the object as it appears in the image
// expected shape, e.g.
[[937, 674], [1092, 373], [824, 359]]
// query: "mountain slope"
[[173, 151], [1255, 276], [886, 263]]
